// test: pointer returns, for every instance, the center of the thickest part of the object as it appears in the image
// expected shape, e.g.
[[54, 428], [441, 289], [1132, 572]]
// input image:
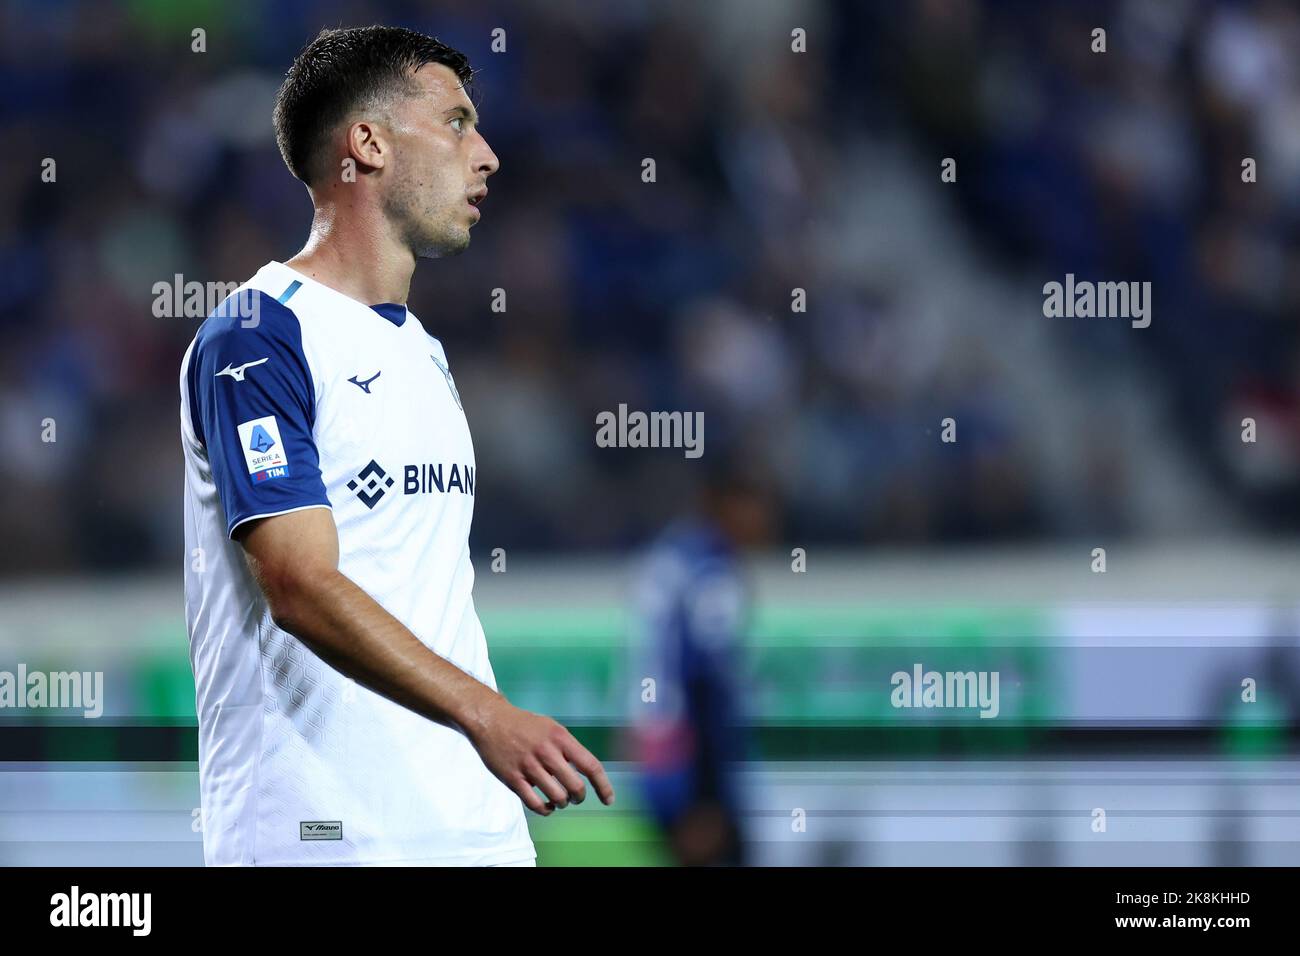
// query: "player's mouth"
[[476, 197]]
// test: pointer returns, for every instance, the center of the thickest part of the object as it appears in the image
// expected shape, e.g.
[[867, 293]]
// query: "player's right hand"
[[526, 750]]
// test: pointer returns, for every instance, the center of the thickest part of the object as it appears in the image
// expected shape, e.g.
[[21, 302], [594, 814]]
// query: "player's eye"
[[459, 124]]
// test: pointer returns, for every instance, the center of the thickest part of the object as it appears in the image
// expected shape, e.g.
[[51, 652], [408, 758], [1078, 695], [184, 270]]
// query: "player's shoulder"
[[249, 313], [251, 317]]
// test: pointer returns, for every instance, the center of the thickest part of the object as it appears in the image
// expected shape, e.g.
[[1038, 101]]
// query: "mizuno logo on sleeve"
[[237, 371]]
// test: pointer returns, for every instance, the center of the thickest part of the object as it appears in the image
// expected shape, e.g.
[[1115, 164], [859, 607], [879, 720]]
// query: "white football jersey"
[[294, 396]]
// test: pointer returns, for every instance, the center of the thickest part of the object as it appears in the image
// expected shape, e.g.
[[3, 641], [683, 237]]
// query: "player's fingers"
[[530, 797], [541, 778], [585, 761], [554, 761]]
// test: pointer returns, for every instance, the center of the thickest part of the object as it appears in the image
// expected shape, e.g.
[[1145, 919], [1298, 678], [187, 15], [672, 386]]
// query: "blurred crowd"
[[1174, 158], [679, 294]]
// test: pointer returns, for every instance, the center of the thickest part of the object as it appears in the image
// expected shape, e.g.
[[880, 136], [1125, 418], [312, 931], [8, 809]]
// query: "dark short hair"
[[341, 70]]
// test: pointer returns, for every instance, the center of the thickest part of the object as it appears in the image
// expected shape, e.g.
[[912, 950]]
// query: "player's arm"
[[294, 558]]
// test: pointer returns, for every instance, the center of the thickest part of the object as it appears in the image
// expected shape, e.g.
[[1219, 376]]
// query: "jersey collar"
[[394, 312]]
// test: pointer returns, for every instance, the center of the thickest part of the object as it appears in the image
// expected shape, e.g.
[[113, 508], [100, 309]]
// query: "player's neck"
[[355, 255]]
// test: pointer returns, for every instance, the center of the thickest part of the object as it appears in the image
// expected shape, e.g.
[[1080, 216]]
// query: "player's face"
[[442, 163]]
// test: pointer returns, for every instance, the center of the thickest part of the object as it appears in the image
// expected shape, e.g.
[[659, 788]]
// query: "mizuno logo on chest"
[[364, 384]]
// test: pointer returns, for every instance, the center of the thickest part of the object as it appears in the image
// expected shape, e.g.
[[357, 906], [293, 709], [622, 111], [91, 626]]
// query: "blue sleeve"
[[253, 406]]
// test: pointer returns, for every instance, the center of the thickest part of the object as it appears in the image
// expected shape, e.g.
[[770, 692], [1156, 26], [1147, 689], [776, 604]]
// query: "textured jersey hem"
[[511, 854]]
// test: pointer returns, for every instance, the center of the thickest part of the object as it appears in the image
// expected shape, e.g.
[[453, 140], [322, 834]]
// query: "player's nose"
[[485, 161]]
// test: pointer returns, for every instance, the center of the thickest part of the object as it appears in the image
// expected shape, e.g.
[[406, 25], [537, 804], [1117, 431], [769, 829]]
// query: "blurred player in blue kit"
[[692, 604]]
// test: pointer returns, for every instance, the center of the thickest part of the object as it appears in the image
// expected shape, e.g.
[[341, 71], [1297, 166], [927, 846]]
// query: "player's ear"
[[367, 145]]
